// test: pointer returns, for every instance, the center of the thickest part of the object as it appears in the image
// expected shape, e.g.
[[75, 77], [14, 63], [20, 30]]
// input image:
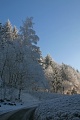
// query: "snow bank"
[[63, 108]]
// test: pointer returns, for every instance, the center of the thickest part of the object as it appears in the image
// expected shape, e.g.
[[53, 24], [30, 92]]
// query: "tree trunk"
[[4, 91], [19, 95]]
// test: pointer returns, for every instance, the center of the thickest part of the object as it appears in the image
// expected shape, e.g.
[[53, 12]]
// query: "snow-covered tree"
[[6, 64], [8, 32], [28, 34], [19, 67], [1, 35], [47, 61], [53, 74], [15, 33]]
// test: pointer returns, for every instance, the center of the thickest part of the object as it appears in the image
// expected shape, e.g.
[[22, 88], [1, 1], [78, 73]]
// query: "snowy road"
[[22, 114]]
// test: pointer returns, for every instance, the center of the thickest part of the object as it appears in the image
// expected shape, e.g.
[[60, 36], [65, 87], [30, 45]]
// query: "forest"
[[22, 66]]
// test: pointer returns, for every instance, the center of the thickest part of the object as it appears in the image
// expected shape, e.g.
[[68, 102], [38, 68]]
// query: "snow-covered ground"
[[49, 106], [28, 101], [45, 95], [63, 108]]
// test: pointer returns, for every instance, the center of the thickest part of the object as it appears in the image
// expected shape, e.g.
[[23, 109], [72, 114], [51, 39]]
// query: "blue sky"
[[57, 23]]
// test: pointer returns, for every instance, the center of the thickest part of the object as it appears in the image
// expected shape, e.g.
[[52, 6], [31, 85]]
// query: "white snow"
[[63, 108], [49, 106], [45, 95], [28, 101]]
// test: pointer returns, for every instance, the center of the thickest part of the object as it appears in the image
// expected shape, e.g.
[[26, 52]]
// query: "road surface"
[[22, 114]]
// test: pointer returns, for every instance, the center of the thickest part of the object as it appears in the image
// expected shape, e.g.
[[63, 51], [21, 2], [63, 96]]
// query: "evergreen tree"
[[8, 32], [28, 35], [19, 67], [53, 74], [1, 35], [56, 81], [47, 61], [15, 33], [27, 32]]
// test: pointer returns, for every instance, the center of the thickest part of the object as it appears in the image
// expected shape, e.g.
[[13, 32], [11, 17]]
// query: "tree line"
[[23, 67], [62, 78], [19, 56]]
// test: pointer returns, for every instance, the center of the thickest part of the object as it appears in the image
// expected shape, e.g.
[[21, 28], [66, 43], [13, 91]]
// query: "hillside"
[[61, 78]]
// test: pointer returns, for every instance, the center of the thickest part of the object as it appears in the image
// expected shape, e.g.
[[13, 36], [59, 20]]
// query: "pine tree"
[[29, 35], [57, 81], [15, 33], [47, 61], [1, 35], [8, 32], [19, 67], [29, 38]]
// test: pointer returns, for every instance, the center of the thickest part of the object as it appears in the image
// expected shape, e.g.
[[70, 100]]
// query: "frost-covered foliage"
[[8, 32], [28, 34], [71, 79], [53, 75], [63, 108], [19, 67], [61, 78]]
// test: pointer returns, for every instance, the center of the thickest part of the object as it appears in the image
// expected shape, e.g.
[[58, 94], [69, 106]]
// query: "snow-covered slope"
[[63, 108], [42, 96], [49, 106], [28, 101]]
